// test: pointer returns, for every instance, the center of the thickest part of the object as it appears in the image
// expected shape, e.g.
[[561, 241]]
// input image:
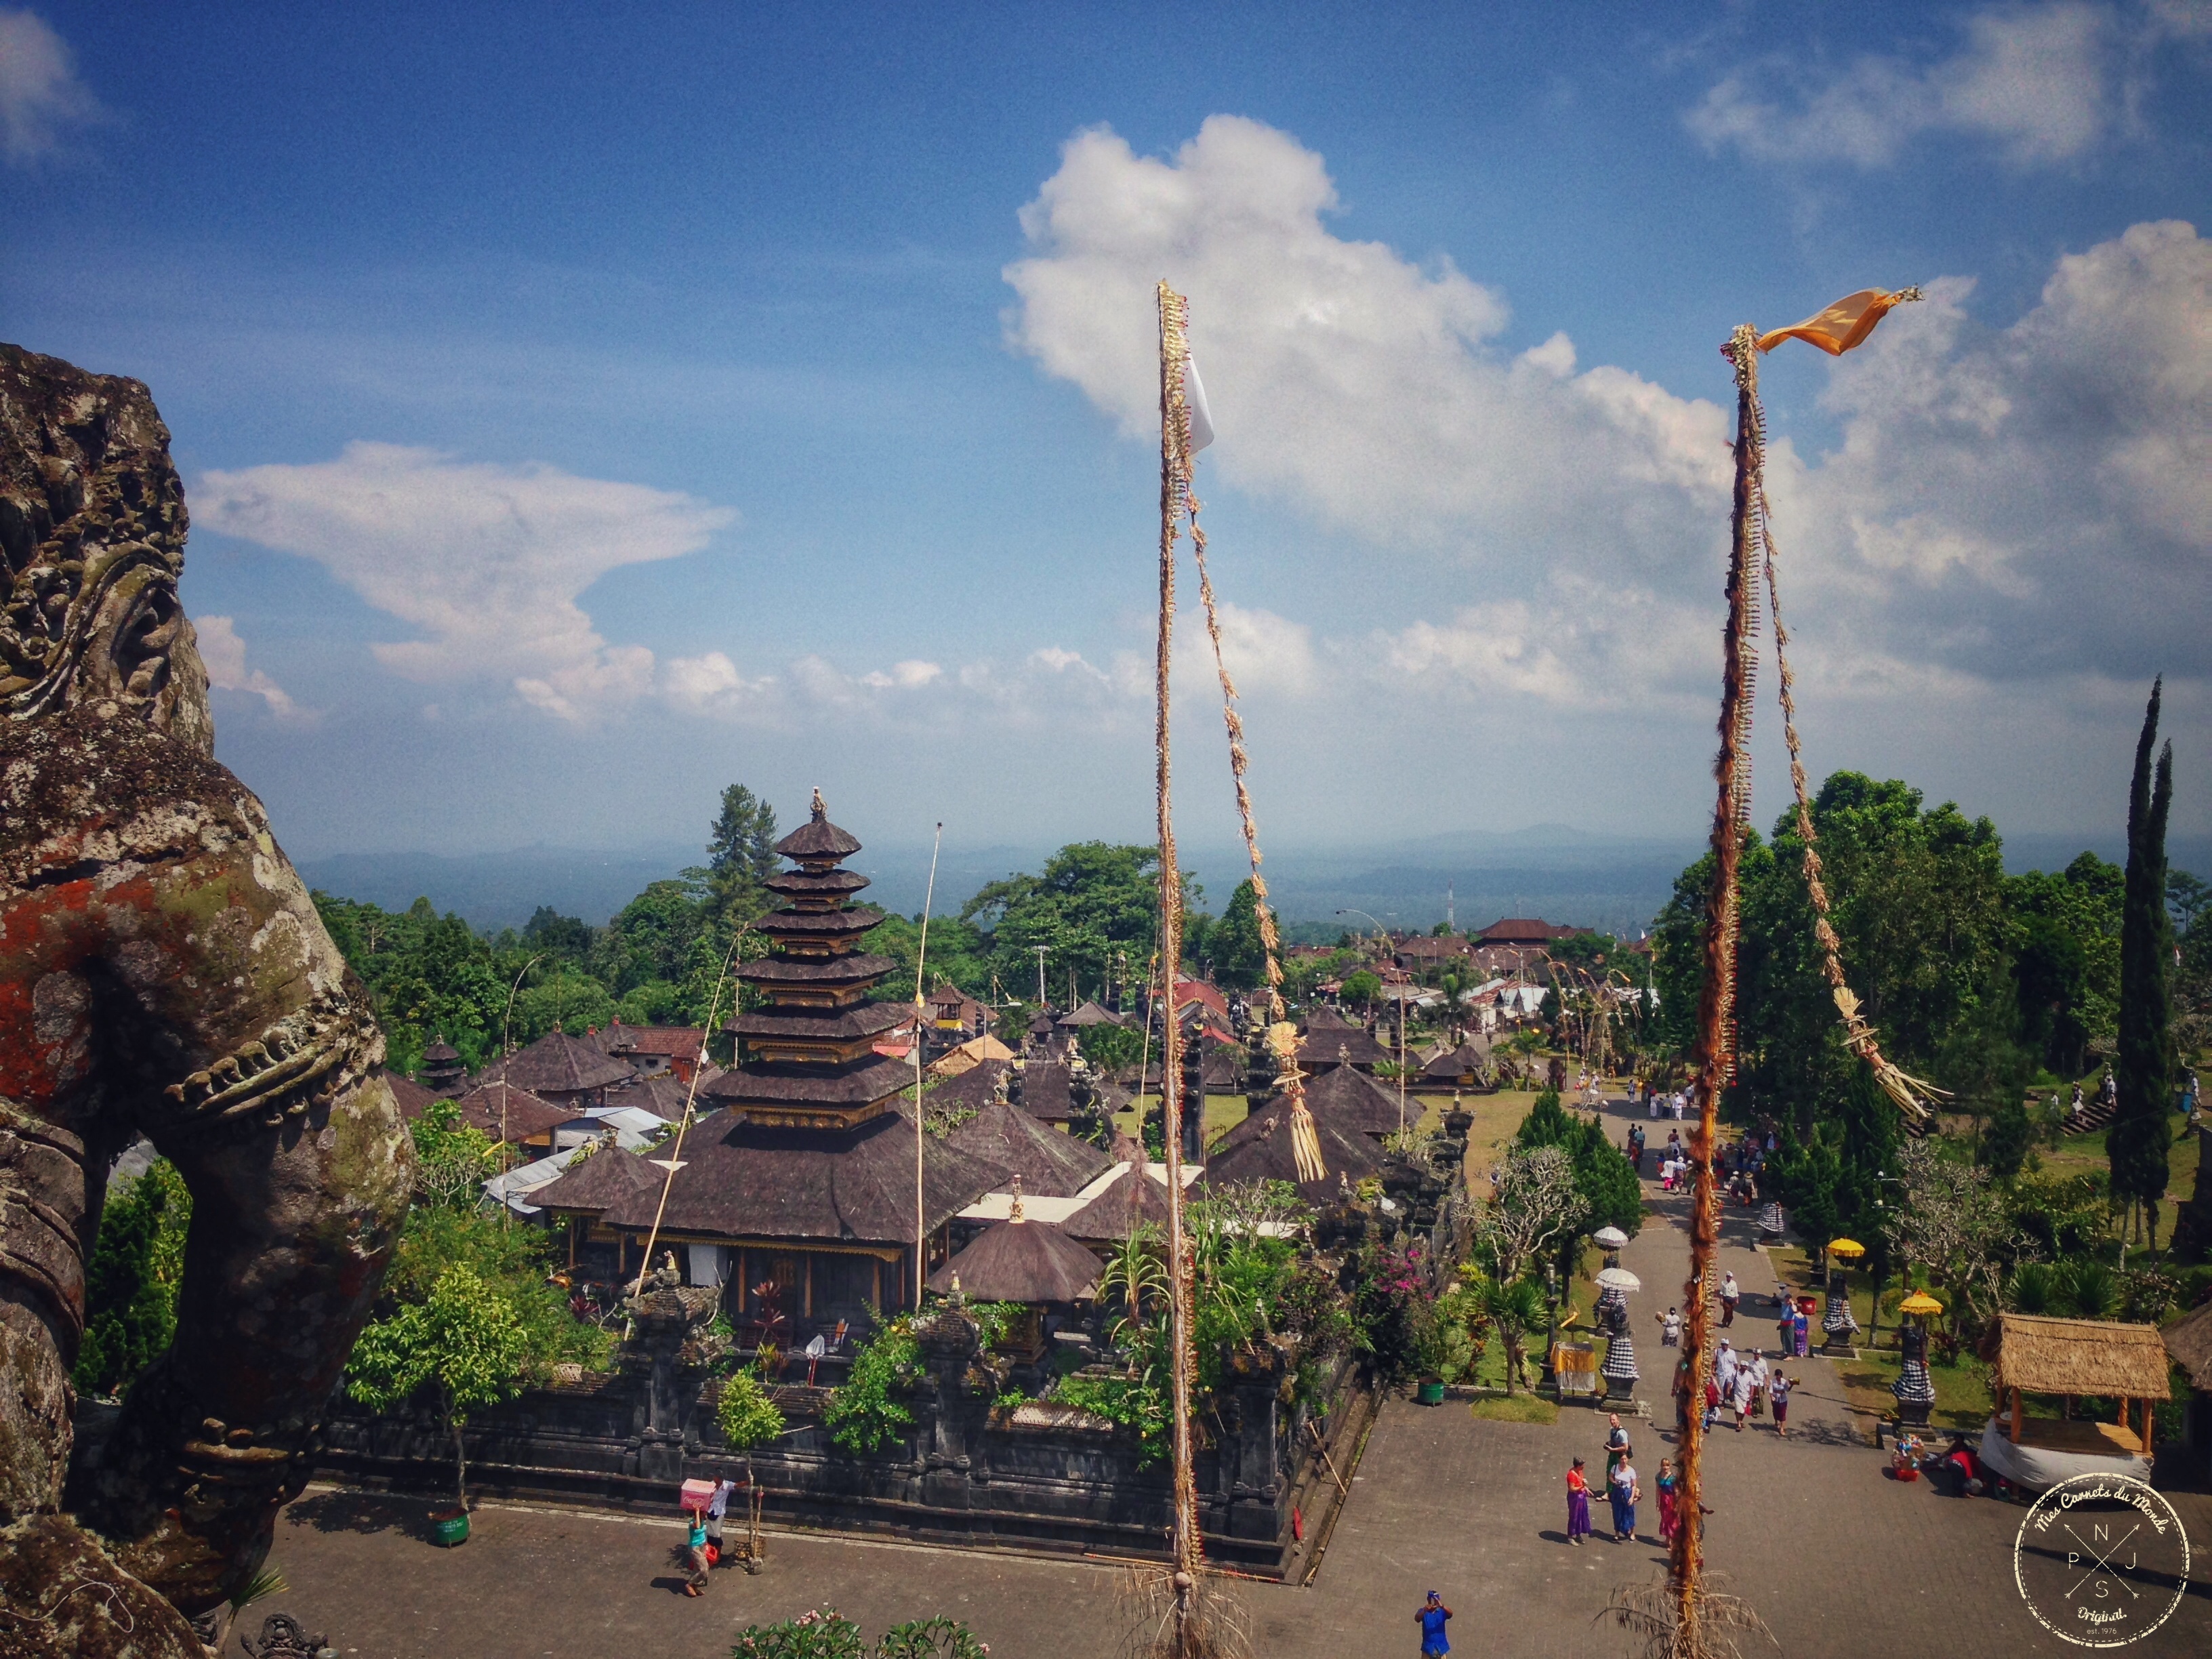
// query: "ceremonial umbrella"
[[1618, 1278]]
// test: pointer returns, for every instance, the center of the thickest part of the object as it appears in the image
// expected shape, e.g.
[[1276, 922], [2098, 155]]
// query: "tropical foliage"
[[133, 1277]]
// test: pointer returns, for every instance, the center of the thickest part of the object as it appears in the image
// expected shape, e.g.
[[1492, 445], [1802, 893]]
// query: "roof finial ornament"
[[1014, 1213], [821, 812]]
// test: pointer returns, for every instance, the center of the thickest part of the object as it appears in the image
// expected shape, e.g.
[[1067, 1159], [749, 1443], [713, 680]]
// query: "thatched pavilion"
[[1030, 1263], [2076, 1358]]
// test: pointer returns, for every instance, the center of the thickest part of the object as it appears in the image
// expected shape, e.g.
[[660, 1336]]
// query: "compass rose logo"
[[2101, 1560]]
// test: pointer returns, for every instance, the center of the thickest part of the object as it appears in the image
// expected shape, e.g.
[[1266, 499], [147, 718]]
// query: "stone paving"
[[1837, 1559]]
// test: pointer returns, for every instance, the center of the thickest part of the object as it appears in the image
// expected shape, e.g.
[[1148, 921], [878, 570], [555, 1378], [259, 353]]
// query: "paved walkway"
[[1838, 1559]]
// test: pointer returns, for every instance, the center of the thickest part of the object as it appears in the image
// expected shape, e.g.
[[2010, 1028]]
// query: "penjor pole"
[[1175, 477], [1712, 1058]]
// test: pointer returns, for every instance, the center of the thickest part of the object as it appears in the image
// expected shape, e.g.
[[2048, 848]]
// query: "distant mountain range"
[[1555, 872]]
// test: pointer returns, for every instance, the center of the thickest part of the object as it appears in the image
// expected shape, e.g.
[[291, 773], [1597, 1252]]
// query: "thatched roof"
[[1091, 1014], [1259, 1149], [1046, 1092], [1353, 1101], [558, 1064], [1051, 1165], [1135, 1198], [749, 1181], [411, 1095], [596, 1182], [973, 1053], [2189, 1340], [1021, 1261], [2080, 1356], [523, 1114]]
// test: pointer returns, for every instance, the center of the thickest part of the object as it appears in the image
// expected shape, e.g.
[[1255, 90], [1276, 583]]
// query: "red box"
[[697, 1494]]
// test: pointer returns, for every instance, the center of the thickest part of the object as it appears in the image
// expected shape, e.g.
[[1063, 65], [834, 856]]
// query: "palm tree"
[[1514, 1309]]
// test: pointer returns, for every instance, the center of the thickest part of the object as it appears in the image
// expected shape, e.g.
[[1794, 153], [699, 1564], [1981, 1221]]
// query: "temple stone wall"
[[1039, 1477]]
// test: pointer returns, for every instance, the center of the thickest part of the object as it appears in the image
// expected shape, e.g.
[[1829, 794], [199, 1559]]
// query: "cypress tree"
[[2143, 1065]]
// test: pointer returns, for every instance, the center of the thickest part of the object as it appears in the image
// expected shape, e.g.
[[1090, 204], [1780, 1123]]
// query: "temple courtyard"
[[1835, 1557]]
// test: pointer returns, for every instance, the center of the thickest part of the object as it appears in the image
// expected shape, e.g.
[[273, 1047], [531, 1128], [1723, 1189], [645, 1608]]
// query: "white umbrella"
[[1612, 1238], [1618, 1278]]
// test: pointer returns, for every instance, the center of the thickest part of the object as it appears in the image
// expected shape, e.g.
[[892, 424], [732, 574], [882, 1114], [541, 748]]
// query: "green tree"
[[1240, 959], [741, 857], [1361, 989], [2142, 1132], [749, 1417], [463, 1342], [1095, 907], [1604, 1178], [131, 1281], [2066, 960]]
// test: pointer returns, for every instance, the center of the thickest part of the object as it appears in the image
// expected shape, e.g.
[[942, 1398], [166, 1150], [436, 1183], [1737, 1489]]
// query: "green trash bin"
[[1431, 1394], [449, 1527]]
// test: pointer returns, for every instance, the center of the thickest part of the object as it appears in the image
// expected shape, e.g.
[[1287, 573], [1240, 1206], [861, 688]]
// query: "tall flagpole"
[[920, 1008]]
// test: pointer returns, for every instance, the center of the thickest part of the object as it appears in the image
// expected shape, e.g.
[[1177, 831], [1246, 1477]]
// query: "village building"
[[802, 1180], [513, 1115], [652, 1050], [1330, 1040], [952, 1011]]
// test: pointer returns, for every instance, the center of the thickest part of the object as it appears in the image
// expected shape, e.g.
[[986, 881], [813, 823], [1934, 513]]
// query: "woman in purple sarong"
[[1579, 1516], [1800, 1328]]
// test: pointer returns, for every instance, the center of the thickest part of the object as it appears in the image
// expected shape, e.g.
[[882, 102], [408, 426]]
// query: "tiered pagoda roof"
[[810, 1057]]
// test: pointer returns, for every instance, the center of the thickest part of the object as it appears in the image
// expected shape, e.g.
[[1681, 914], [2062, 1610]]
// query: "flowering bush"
[[827, 1634]]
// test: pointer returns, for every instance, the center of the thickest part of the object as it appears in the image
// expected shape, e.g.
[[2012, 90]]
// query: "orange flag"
[[1843, 325]]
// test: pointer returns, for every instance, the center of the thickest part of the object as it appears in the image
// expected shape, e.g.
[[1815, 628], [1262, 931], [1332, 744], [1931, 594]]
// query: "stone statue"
[[163, 973]]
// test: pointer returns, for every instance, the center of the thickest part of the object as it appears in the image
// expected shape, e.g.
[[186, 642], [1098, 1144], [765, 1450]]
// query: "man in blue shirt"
[[1431, 1618]]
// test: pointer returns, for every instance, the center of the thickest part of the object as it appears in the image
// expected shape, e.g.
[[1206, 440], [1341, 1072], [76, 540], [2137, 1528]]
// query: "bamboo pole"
[[921, 1022], [1174, 473], [1713, 1056]]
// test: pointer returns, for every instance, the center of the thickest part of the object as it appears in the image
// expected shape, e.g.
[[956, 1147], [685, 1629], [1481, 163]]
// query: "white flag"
[[1194, 397]]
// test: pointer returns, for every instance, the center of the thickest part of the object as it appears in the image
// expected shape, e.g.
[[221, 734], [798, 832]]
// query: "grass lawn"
[[1962, 1397], [1521, 1408], [1223, 1112], [1497, 1120], [2085, 1155]]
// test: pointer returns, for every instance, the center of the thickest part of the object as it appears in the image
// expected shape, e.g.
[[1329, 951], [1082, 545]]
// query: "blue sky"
[[582, 408]]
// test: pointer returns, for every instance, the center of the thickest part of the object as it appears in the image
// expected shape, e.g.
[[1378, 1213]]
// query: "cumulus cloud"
[[224, 655], [2036, 499], [40, 96], [2027, 500], [2044, 83], [487, 562], [1364, 385]]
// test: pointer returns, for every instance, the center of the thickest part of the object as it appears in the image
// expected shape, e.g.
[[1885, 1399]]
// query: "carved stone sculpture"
[[162, 972]]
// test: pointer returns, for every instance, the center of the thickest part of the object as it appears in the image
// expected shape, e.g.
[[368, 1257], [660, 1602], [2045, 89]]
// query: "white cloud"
[[224, 655], [2032, 501], [40, 96], [487, 562], [2044, 83], [1340, 374]]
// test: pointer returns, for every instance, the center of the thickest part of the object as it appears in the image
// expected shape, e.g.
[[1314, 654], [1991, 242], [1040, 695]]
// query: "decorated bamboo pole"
[[1713, 1059], [1174, 472]]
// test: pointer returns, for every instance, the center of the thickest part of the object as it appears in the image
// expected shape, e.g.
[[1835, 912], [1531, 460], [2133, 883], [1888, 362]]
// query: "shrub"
[[865, 1413]]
